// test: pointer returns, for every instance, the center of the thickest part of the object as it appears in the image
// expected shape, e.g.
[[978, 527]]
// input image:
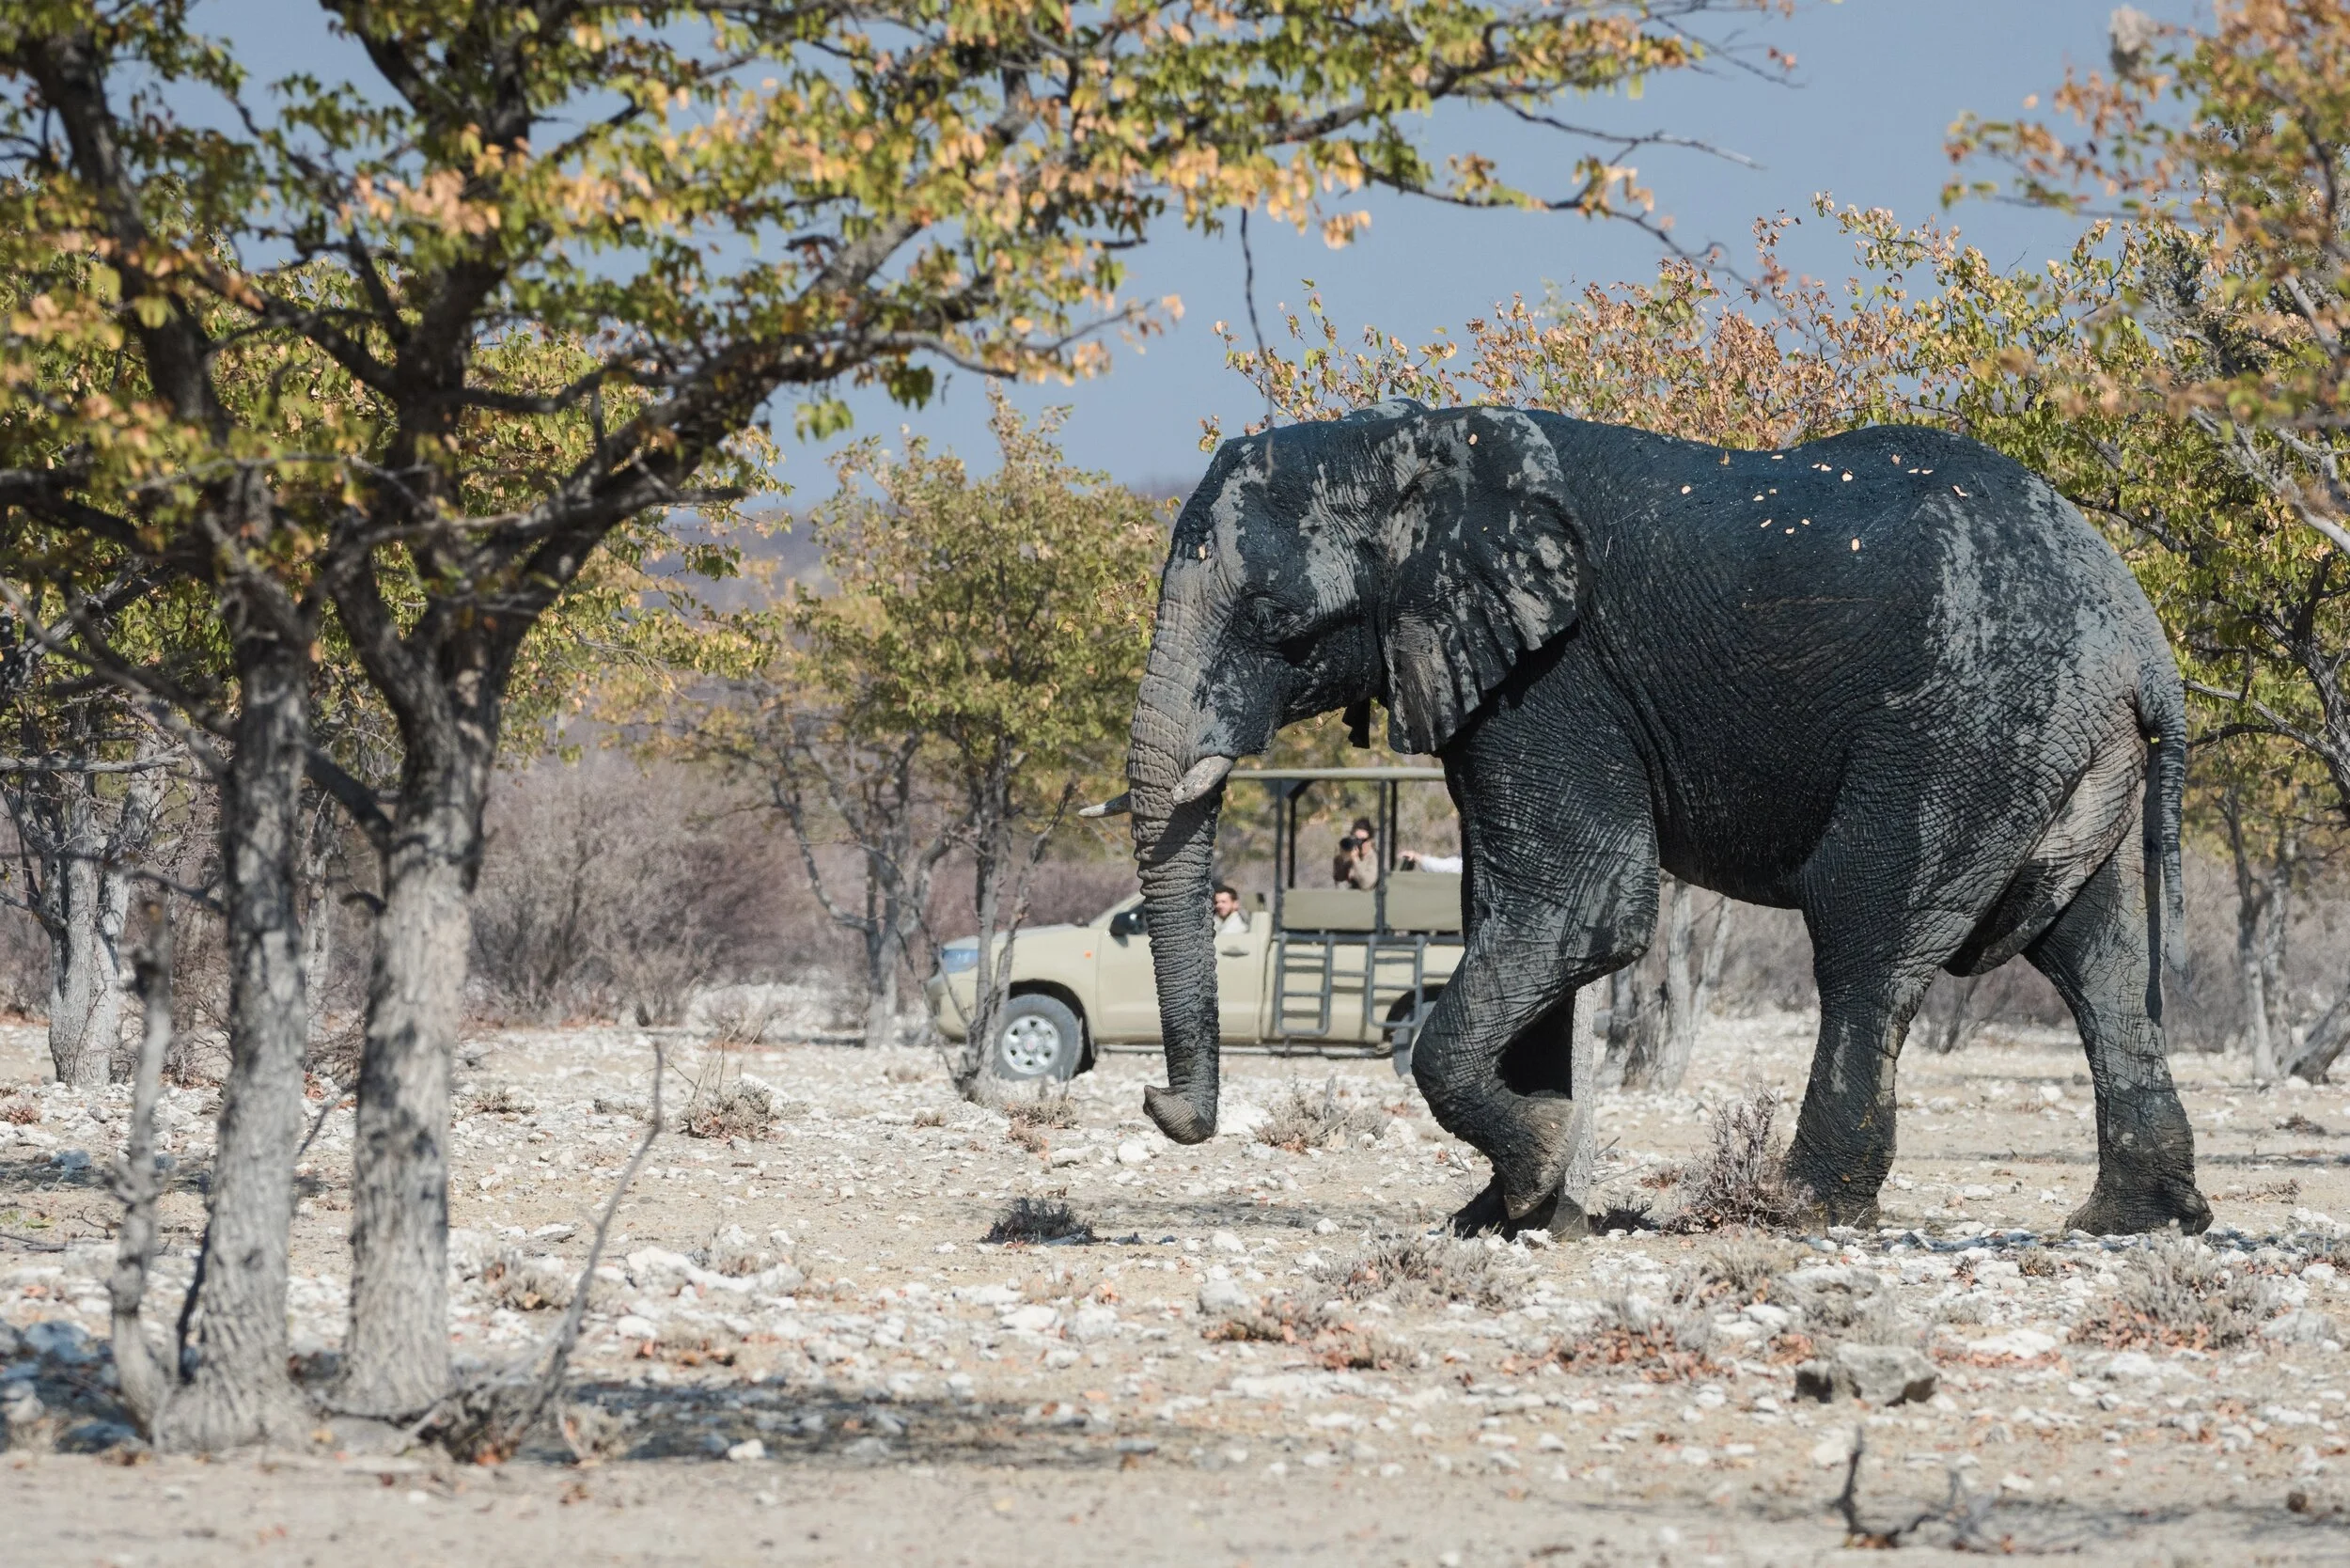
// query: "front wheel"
[[1036, 1037]]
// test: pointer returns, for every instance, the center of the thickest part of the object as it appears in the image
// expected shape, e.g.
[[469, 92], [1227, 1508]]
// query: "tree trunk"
[[1955, 1020], [396, 1359], [133, 835], [1625, 996], [2260, 926], [84, 985], [239, 1391], [2324, 1043], [1716, 955], [1574, 1188], [145, 1382], [1681, 993], [318, 929]]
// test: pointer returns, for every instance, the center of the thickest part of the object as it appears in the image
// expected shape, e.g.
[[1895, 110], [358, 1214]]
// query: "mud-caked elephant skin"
[[1891, 679]]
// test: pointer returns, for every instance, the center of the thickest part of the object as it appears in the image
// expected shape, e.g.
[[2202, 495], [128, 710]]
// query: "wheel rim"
[[1031, 1045]]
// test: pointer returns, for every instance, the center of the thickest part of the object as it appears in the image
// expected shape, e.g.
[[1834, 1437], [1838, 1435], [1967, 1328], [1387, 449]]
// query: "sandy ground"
[[802, 1351]]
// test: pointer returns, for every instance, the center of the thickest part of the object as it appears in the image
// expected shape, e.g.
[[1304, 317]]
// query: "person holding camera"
[[1357, 863]]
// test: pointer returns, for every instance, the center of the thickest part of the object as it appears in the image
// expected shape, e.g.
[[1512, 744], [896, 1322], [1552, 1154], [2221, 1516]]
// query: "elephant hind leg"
[[2100, 808], [2099, 956], [1844, 1144]]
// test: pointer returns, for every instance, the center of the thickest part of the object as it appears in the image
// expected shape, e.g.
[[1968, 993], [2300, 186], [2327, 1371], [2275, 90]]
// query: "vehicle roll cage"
[[1392, 976], [1290, 788]]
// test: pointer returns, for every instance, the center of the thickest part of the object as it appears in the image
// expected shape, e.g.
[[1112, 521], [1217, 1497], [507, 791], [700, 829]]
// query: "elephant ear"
[[1482, 566]]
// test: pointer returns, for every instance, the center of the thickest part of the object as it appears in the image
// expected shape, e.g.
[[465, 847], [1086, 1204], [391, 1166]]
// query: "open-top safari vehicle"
[[1332, 971]]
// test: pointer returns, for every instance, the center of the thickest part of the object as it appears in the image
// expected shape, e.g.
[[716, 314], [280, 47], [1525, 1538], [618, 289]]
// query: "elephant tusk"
[[1205, 774], [1116, 805]]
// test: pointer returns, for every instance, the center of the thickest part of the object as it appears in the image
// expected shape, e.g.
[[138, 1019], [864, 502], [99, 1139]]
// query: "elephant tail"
[[2162, 713]]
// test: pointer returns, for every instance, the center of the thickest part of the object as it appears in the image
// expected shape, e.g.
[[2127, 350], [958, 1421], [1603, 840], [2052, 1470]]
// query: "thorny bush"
[[1304, 1119], [1742, 1178], [1036, 1220]]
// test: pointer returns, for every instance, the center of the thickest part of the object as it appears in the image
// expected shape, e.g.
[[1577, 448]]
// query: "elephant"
[[1890, 679]]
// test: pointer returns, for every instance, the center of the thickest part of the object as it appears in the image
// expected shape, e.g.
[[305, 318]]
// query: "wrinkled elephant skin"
[[1890, 679]]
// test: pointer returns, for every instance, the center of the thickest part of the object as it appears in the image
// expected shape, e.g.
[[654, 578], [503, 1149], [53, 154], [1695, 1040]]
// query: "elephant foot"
[[2137, 1208], [1177, 1116], [1486, 1214], [1831, 1197]]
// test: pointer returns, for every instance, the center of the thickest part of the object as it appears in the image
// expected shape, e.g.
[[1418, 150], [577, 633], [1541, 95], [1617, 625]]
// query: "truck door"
[[1240, 968], [1126, 993]]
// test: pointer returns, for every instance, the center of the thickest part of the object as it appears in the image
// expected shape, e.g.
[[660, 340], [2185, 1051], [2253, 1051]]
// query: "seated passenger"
[[1231, 919]]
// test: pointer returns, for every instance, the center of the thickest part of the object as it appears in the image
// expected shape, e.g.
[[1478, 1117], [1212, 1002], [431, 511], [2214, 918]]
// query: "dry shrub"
[[607, 888], [1336, 1346], [734, 1253], [2177, 1292], [1027, 1137], [2297, 1123], [1044, 1107], [604, 1104], [20, 1111], [1304, 1119], [1414, 1271], [1834, 1302], [1032, 1220], [500, 1100], [1746, 1261], [530, 1284], [1742, 1179], [930, 1116], [904, 1072], [736, 1110], [1664, 1342]]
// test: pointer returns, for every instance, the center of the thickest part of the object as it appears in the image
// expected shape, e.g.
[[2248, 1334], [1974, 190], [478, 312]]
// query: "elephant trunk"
[[1177, 798]]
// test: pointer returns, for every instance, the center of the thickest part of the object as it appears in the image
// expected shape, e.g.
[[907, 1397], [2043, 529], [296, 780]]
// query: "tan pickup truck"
[[1294, 983]]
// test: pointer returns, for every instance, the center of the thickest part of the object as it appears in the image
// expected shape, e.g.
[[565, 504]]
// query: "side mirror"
[[1130, 922]]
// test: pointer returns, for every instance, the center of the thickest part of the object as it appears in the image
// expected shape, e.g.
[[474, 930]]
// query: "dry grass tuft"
[[20, 1112], [2177, 1292], [1304, 1119], [607, 1106], [732, 1111], [1031, 1220], [1413, 1271], [930, 1116], [1742, 1179]]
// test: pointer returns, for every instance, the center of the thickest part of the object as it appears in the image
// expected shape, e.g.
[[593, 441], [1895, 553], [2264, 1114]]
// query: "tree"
[[988, 635], [2216, 343], [78, 844], [545, 274]]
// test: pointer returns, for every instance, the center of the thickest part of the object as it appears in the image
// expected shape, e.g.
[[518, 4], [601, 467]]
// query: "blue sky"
[[1877, 85]]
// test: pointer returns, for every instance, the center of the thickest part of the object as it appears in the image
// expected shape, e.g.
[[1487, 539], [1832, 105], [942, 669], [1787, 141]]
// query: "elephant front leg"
[[1505, 1069]]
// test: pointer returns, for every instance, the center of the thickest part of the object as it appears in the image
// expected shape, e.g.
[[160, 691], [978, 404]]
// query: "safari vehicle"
[[1330, 971]]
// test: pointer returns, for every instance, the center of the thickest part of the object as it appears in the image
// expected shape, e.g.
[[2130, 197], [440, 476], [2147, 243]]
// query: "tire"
[[1412, 1011], [1037, 1037]]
